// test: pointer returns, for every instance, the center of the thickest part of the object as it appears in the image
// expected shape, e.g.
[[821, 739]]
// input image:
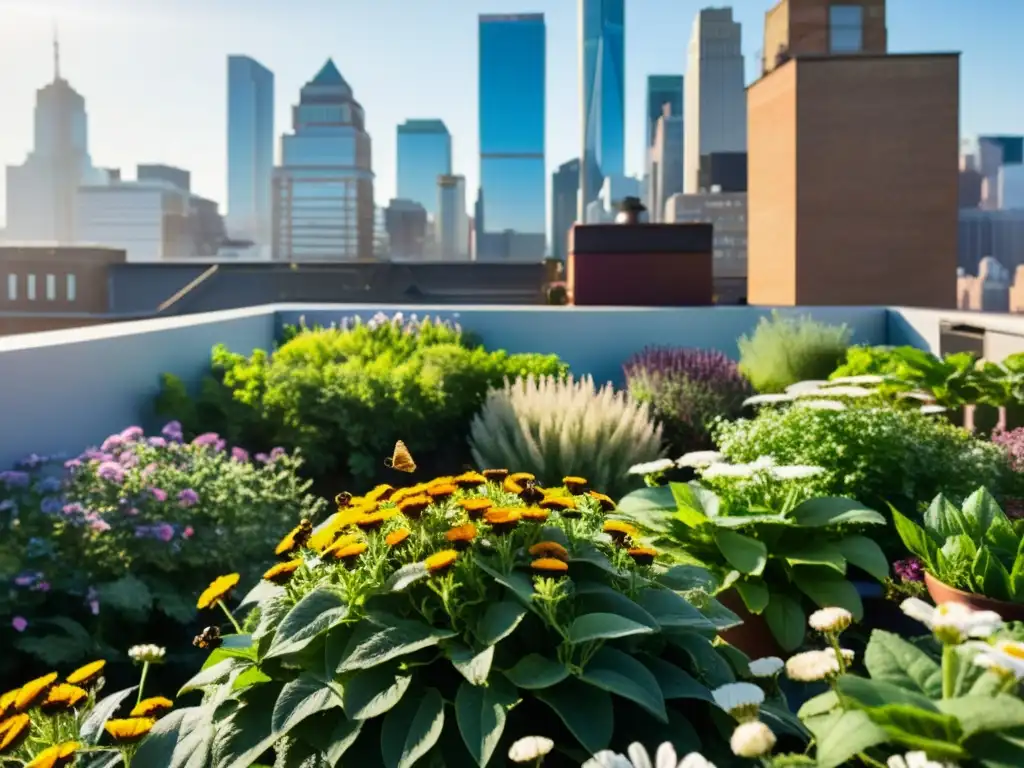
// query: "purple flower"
[[159, 494], [7, 505], [20, 623], [188, 498], [95, 454], [210, 439], [42, 586], [910, 569], [239, 454], [32, 461], [262, 458], [164, 531], [74, 508], [14, 479], [131, 434], [112, 443], [51, 505], [49, 484], [276, 454], [157, 442], [172, 430], [27, 579], [72, 464], [111, 471]]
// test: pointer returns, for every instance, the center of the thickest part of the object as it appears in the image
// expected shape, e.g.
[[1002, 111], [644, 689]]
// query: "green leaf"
[[621, 674], [129, 594], [743, 553], [518, 583], [712, 667], [475, 668], [917, 729], [314, 614], [866, 555], [261, 593], [985, 713], [181, 739], [834, 510], [406, 576], [671, 610], [827, 589], [301, 698], [822, 704], [251, 676], [851, 733], [374, 643], [534, 671], [372, 692], [411, 728], [604, 626], [675, 683], [694, 496], [981, 512], [586, 712], [916, 539], [991, 576], [246, 733], [891, 659], [92, 728], [942, 519], [686, 577], [480, 713], [786, 620], [214, 674], [594, 597], [499, 621], [873, 694], [170, 601], [649, 508], [821, 554], [754, 595]]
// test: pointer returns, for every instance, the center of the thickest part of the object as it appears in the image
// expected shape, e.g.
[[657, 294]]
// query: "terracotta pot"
[[753, 636], [943, 593]]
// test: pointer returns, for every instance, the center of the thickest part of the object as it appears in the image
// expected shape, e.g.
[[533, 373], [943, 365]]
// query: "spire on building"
[[56, 54]]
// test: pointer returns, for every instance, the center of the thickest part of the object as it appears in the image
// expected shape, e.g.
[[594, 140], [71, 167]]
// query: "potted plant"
[[971, 555]]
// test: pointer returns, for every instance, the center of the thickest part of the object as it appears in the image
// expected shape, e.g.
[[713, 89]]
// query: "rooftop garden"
[[382, 544]]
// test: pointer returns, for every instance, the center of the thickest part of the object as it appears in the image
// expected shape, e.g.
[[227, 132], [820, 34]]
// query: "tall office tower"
[[452, 226], [715, 101], [995, 153], [323, 189], [512, 175], [662, 91], [565, 193], [424, 153], [602, 93], [41, 192], [666, 162], [250, 150], [406, 223]]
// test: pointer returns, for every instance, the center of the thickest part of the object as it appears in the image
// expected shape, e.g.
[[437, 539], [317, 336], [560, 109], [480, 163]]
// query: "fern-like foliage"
[[555, 428]]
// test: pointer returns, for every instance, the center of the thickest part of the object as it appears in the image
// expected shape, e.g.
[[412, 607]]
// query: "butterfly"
[[401, 460]]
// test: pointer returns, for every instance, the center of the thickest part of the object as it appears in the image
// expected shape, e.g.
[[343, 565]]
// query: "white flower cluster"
[[638, 757], [916, 760], [830, 395], [147, 654], [814, 666]]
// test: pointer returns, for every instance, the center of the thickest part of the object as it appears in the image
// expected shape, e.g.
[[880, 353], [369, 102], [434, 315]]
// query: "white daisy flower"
[[699, 459], [952, 623], [639, 757], [822, 405], [767, 399], [796, 472], [741, 700], [916, 760], [930, 409], [866, 378], [147, 654], [728, 471], [763, 462], [652, 467], [830, 620], [812, 666], [811, 385], [530, 749], [1005, 657], [769, 666], [752, 739]]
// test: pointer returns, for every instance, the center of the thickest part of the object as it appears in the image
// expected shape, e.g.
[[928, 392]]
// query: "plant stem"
[[870, 761], [949, 670], [834, 641], [231, 618], [142, 681]]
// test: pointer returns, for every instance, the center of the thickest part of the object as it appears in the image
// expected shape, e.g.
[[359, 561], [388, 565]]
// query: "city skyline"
[[182, 122]]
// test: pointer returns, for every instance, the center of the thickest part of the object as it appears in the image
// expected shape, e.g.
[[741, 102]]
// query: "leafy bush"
[[118, 539], [782, 351], [344, 395], [436, 624], [973, 548], [687, 389], [555, 428]]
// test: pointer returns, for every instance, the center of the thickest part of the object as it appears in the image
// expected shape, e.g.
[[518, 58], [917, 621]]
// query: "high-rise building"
[[662, 91], [424, 153], [512, 221], [565, 192], [452, 227], [41, 192], [406, 223], [602, 92], [250, 149], [323, 189], [715, 100], [179, 177], [149, 220], [666, 162]]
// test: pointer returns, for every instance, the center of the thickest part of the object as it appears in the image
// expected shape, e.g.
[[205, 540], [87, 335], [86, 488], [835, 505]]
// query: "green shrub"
[[554, 428], [782, 351]]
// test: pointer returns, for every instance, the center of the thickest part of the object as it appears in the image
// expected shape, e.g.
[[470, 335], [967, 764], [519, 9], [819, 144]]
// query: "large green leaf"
[[985, 713], [834, 510], [696, 497], [916, 539], [621, 674], [943, 519], [534, 671], [376, 641], [499, 621], [990, 576], [181, 739], [981, 512], [406, 576], [866, 555], [92, 728], [129, 595], [246, 733], [261, 593], [874, 694], [411, 728], [675, 683], [314, 614], [819, 705], [743, 553], [852, 732], [914, 728], [475, 667], [480, 713], [372, 692], [604, 626], [214, 674], [828, 589], [754, 594], [707, 661], [301, 698], [671, 610], [650, 508], [822, 554], [891, 659], [586, 711], [600, 598], [786, 620], [516, 582], [686, 577]]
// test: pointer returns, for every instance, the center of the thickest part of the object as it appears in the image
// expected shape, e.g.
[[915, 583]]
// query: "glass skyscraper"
[[323, 190], [424, 153], [602, 88], [662, 90], [250, 149], [512, 218]]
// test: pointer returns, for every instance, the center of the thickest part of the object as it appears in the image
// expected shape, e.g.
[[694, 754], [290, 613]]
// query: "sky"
[[154, 72]]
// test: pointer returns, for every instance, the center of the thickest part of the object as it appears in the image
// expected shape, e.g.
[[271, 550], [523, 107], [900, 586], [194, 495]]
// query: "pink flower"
[[100, 525], [188, 532], [20, 623], [159, 494], [42, 586], [165, 532]]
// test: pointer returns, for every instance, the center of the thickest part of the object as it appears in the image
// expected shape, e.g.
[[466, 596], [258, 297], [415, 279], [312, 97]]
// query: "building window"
[[12, 287], [69, 288], [51, 287], [30, 287], [846, 28]]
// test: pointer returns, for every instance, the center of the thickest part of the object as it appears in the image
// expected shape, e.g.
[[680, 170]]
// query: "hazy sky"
[[153, 72]]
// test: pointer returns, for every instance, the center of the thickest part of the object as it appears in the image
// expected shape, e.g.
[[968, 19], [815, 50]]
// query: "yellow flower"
[[522, 477], [84, 675], [334, 525], [643, 555], [376, 520], [63, 697], [558, 503], [152, 707], [548, 549], [282, 572], [33, 692], [56, 756], [535, 514], [296, 538], [405, 493], [495, 475], [441, 561], [349, 552], [461, 535], [511, 486], [441, 491], [607, 505], [130, 729], [217, 591], [395, 538], [443, 480], [574, 484], [550, 566], [619, 531], [476, 506], [469, 480], [502, 519], [380, 493], [414, 506], [344, 541], [7, 700], [13, 731]]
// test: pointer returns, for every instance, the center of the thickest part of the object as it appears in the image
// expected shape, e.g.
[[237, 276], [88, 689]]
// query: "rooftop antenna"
[[56, 53]]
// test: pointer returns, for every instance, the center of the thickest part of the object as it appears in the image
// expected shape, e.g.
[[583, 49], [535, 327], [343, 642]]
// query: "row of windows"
[[50, 283]]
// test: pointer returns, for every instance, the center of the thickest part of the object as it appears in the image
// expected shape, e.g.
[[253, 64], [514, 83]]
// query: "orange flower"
[[495, 475], [296, 538], [152, 707], [502, 519], [550, 566], [643, 555], [81, 676], [414, 506], [405, 493], [376, 520], [56, 756], [462, 535], [334, 525], [63, 697], [558, 503], [395, 538], [476, 506], [217, 591], [350, 552], [607, 505], [469, 480], [380, 493], [443, 480], [574, 484], [7, 700], [535, 514], [441, 561], [619, 531], [13, 731], [130, 729], [442, 491], [549, 549], [34, 691], [341, 543], [522, 477], [282, 572]]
